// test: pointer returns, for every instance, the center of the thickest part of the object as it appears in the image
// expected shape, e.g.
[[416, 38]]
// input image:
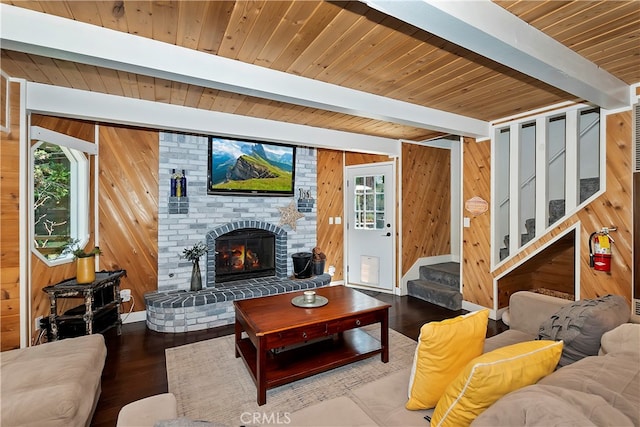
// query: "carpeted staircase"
[[588, 186], [438, 284]]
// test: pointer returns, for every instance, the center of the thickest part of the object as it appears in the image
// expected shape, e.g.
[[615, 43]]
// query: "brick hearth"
[[186, 311]]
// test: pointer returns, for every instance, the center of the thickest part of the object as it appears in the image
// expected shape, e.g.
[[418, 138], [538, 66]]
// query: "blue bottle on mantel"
[[174, 183], [183, 184]]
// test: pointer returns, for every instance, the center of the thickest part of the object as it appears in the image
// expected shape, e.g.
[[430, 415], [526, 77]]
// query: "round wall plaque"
[[476, 205]]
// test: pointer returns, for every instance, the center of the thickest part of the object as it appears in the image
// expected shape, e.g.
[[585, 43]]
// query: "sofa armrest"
[[623, 339], [527, 310]]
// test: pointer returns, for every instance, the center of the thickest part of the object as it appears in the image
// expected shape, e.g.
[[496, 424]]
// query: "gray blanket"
[[595, 391]]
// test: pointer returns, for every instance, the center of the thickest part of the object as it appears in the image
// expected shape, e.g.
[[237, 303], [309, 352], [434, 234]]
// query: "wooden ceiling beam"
[[491, 31], [32, 32]]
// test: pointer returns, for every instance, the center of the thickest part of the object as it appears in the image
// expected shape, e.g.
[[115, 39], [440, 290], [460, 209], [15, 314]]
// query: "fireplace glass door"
[[244, 254]]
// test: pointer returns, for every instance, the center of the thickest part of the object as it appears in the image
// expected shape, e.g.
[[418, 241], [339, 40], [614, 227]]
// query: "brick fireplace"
[[233, 246], [202, 217]]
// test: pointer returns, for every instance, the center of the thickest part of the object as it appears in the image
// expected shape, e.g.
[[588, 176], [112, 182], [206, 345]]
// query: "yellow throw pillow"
[[489, 377], [444, 349]]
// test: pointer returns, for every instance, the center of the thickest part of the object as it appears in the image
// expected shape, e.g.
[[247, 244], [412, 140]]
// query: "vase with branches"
[[193, 254]]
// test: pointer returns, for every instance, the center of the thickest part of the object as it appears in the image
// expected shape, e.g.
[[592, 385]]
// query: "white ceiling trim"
[[85, 105], [493, 32], [52, 36]]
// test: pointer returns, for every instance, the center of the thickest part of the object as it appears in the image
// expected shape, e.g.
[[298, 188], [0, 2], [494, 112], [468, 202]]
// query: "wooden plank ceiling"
[[343, 43]]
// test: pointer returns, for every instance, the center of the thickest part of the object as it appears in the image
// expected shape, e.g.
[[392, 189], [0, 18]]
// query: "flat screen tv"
[[241, 166]]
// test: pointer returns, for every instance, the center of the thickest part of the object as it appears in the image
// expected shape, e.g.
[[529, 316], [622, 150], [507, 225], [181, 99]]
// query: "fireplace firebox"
[[245, 253]]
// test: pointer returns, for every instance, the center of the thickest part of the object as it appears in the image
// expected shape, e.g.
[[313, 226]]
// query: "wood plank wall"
[[426, 203], [331, 204], [354, 159], [128, 207], [557, 274], [476, 239], [553, 268], [614, 207], [611, 208], [9, 215]]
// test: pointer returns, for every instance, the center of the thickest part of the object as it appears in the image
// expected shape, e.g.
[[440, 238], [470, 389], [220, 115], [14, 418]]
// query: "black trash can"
[[302, 266]]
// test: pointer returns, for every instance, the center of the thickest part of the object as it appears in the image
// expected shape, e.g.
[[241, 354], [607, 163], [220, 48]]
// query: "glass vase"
[[196, 277]]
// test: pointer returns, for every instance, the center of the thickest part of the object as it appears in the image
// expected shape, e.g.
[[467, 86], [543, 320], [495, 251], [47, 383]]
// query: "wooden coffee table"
[[281, 343]]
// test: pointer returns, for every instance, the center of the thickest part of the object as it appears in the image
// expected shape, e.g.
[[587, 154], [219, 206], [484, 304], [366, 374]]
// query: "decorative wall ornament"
[[476, 205], [305, 201], [289, 215]]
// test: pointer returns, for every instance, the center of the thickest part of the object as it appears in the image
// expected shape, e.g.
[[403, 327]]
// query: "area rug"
[[211, 384]]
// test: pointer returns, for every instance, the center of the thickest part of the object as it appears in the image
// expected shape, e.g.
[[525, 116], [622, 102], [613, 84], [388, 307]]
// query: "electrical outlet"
[[125, 295], [37, 325]]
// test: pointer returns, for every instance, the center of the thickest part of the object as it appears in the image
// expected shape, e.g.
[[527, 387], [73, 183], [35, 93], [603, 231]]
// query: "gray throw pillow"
[[581, 325]]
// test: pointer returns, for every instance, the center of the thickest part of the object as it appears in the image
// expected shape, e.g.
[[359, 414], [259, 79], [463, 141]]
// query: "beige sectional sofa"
[[588, 392], [52, 384]]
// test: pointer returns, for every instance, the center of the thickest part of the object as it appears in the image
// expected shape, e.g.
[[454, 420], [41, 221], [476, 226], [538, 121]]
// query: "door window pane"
[[369, 202]]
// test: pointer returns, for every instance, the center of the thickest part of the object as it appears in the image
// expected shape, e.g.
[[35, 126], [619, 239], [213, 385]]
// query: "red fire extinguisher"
[[600, 249]]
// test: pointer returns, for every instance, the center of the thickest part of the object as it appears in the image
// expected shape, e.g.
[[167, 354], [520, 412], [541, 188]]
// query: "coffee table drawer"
[[358, 321], [297, 335]]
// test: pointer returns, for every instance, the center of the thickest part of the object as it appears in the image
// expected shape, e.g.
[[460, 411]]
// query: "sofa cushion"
[[149, 411], [489, 377], [597, 390], [336, 412], [581, 325], [625, 338], [527, 310], [508, 337], [384, 399], [53, 384], [614, 377], [443, 349], [550, 406]]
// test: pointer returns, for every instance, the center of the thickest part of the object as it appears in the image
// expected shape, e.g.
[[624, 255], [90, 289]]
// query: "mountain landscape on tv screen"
[[246, 166]]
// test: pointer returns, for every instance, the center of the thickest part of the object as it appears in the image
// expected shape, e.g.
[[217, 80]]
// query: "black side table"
[[101, 310]]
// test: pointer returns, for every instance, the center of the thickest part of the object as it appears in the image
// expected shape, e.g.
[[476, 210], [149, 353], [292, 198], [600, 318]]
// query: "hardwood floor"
[[135, 366]]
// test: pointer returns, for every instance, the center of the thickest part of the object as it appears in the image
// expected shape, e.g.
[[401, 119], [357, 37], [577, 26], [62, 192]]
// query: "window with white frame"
[[59, 193]]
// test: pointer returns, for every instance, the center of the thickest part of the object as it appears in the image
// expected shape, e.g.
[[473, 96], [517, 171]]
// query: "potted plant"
[[193, 254], [85, 261]]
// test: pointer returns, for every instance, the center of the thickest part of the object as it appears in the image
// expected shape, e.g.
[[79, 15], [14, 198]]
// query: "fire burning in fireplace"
[[245, 253], [238, 258]]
